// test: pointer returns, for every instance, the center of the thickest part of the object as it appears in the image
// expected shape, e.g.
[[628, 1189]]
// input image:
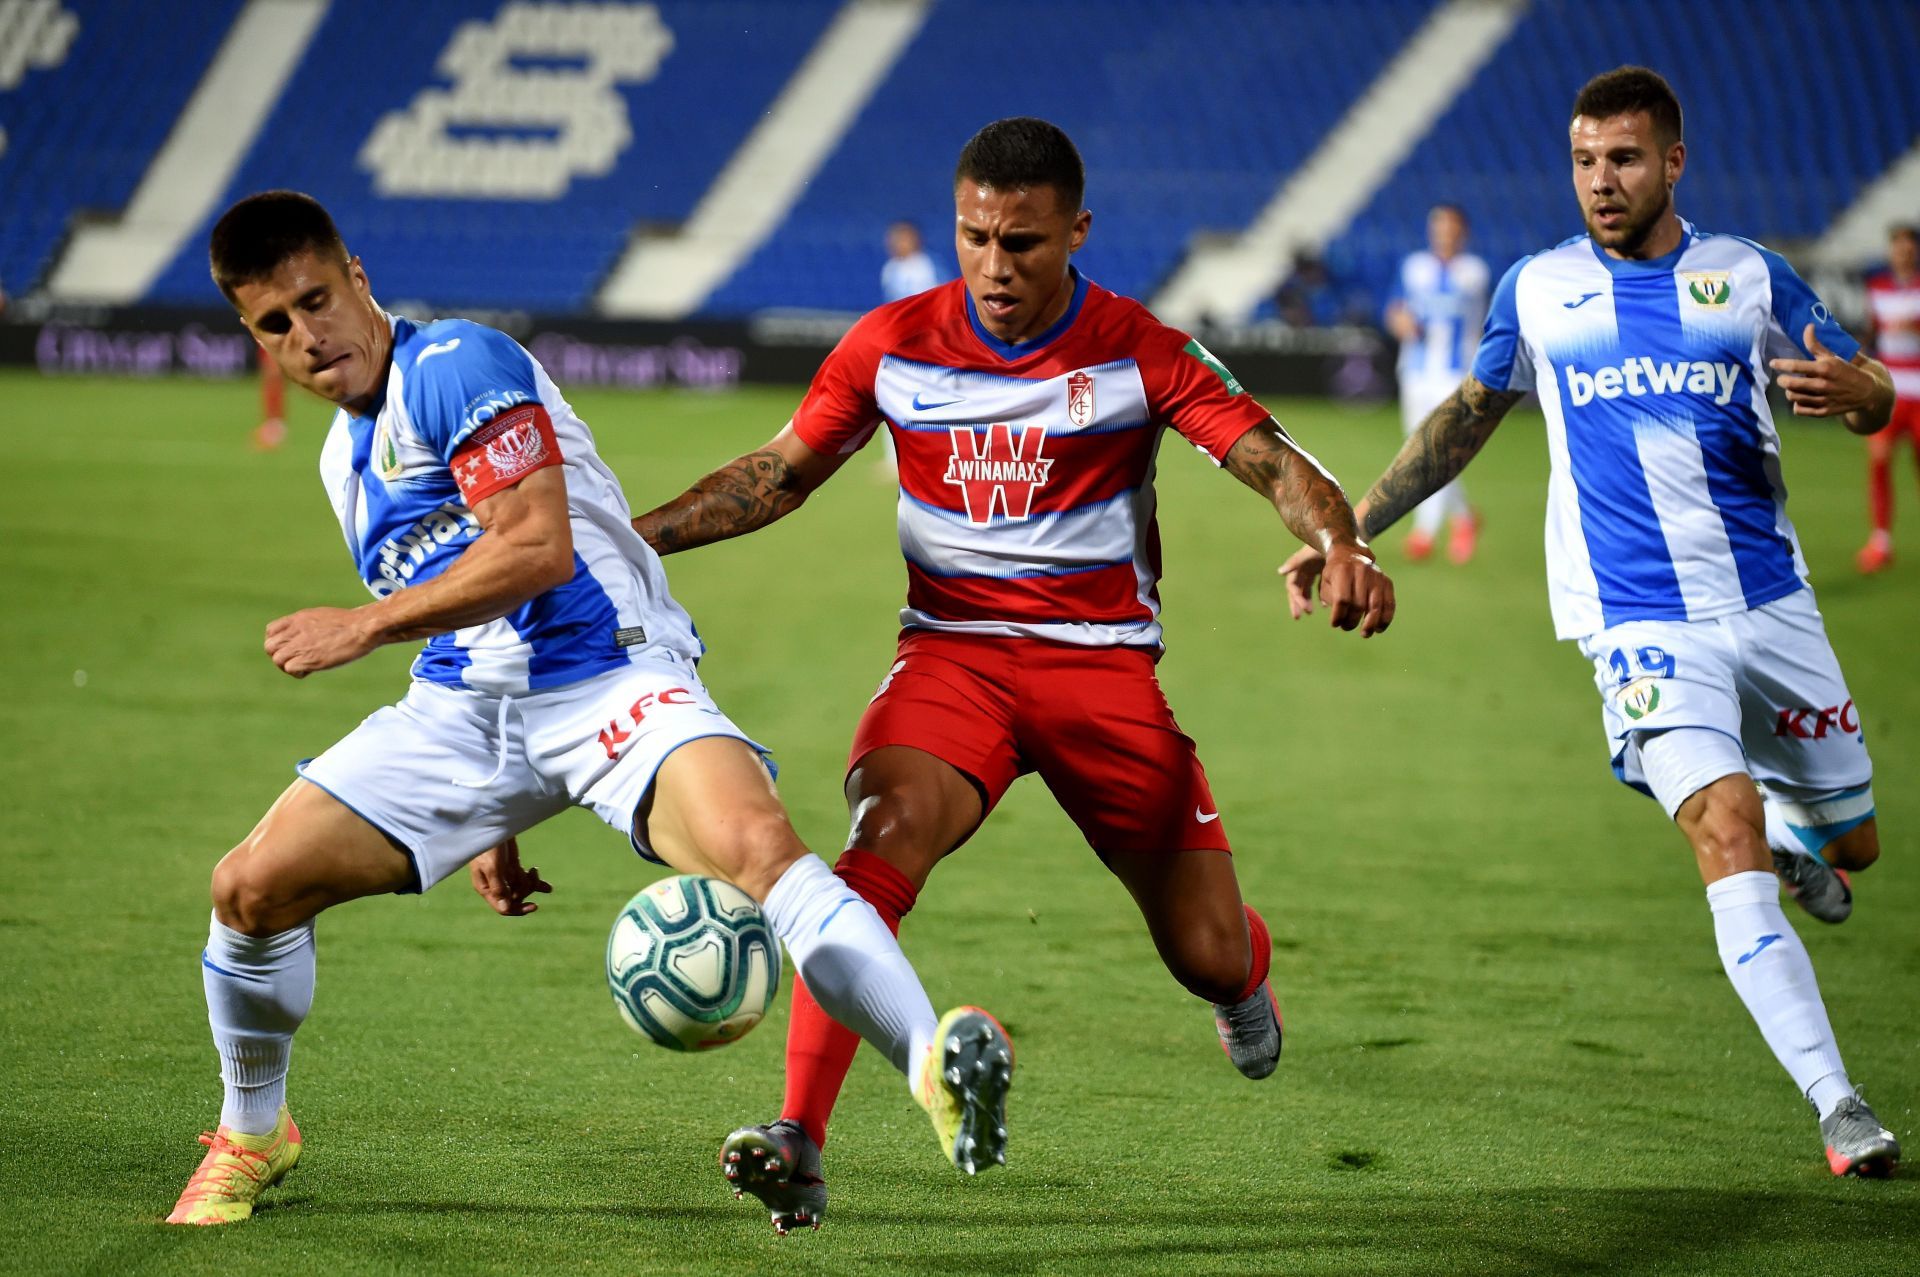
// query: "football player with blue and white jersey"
[[1439, 304], [558, 672], [1670, 557]]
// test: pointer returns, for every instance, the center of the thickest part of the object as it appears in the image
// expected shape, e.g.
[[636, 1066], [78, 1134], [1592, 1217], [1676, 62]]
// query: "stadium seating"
[[1785, 124], [80, 132], [728, 58], [1187, 115]]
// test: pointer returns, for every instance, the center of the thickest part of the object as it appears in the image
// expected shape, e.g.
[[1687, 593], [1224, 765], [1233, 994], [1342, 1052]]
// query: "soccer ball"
[[692, 963]]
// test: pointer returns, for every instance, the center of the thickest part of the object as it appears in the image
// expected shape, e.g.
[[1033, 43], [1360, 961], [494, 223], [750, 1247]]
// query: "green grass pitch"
[[1510, 1047]]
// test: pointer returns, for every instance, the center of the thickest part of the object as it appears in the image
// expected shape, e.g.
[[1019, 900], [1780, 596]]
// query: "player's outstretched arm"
[[1859, 391], [524, 550], [1432, 456], [742, 496], [1311, 504], [1435, 454]]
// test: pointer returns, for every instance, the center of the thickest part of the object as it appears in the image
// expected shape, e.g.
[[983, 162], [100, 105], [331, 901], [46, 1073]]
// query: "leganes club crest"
[[1708, 288]]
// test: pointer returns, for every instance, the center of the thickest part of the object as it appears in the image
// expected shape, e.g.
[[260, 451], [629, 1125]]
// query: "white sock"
[[850, 961], [1772, 974], [259, 989]]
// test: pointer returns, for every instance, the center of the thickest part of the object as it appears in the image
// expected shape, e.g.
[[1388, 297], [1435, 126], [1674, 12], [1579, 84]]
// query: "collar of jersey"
[[1008, 351], [1640, 266]]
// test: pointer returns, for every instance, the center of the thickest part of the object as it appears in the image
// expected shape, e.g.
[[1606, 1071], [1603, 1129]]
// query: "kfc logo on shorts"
[[1805, 723], [1003, 475], [1080, 399], [615, 734]]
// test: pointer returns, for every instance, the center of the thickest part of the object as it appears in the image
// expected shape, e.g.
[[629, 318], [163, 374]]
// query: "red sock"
[[1262, 945], [819, 1049], [1880, 493]]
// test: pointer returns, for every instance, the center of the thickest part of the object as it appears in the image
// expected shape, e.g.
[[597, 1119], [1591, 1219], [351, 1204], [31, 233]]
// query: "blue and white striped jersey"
[[453, 385], [1450, 300], [1665, 500]]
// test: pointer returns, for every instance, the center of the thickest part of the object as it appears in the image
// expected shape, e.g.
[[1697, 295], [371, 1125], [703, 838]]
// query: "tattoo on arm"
[[747, 493], [1310, 503], [1437, 451]]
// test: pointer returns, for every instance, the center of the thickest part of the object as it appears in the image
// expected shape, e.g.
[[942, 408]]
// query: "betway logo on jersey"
[[1004, 474], [401, 556], [1642, 376]]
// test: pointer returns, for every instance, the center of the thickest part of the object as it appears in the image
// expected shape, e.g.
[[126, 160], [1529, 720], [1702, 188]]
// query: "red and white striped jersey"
[[1895, 311], [1026, 471]]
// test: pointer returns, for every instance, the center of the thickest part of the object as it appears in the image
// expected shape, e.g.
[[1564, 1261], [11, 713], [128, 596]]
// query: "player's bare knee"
[[246, 896], [755, 848], [898, 827]]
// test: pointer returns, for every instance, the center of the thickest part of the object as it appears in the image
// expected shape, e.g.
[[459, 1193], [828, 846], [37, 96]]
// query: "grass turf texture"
[[1510, 1045]]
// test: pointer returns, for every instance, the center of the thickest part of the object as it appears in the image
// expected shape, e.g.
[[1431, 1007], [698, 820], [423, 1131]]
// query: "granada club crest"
[[1000, 472], [1080, 399], [1708, 288]]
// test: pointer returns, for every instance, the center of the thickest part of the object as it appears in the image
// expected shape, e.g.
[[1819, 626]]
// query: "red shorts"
[[1091, 721]]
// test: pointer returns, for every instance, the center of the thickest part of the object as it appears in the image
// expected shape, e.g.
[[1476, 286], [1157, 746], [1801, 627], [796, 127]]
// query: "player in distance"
[[1439, 304], [1893, 302], [558, 672], [1026, 405], [1670, 557]]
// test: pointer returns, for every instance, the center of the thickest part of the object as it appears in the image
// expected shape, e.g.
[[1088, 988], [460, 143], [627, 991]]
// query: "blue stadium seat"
[[729, 58], [80, 134], [1188, 116], [1785, 125]]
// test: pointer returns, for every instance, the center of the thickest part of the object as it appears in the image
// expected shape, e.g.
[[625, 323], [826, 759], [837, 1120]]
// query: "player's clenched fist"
[[1357, 593], [318, 638]]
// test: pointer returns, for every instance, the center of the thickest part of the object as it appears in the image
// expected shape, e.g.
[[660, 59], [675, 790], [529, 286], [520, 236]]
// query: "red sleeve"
[[1194, 393], [839, 411], [503, 452]]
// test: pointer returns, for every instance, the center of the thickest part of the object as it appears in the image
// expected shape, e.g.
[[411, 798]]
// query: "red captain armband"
[[504, 451]]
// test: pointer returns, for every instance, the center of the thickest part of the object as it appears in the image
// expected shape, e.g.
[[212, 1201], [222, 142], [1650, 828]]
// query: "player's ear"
[[1676, 162], [358, 275], [1081, 224]]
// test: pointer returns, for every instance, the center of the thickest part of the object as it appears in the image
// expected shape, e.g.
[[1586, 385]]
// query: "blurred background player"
[[1439, 305], [908, 268], [1893, 310], [1670, 559], [272, 430], [1027, 404]]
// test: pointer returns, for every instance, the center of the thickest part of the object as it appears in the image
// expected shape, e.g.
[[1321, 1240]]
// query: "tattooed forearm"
[[747, 493], [1310, 503], [1436, 452]]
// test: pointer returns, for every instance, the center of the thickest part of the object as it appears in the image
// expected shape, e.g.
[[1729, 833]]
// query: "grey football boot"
[[778, 1164], [1856, 1142], [1815, 886], [1250, 1032]]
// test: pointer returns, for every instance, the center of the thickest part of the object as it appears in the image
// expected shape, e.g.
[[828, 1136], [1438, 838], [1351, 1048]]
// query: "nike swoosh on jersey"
[[938, 403], [1205, 817], [1579, 302], [437, 348]]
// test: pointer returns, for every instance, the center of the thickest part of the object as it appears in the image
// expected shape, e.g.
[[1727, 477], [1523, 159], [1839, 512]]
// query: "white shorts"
[[449, 772], [1767, 678]]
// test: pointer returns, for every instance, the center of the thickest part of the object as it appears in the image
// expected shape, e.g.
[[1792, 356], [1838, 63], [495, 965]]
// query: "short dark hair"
[[258, 233], [1627, 89], [1020, 153], [1444, 207], [1904, 231]]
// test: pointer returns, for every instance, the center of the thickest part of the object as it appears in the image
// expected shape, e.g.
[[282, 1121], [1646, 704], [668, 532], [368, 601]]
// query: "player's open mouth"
[[999, 305]]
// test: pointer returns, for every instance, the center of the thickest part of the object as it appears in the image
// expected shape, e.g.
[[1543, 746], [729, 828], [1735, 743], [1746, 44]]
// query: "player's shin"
[[1774, 977], [259, 989], [819, 1050], [850, 960]]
